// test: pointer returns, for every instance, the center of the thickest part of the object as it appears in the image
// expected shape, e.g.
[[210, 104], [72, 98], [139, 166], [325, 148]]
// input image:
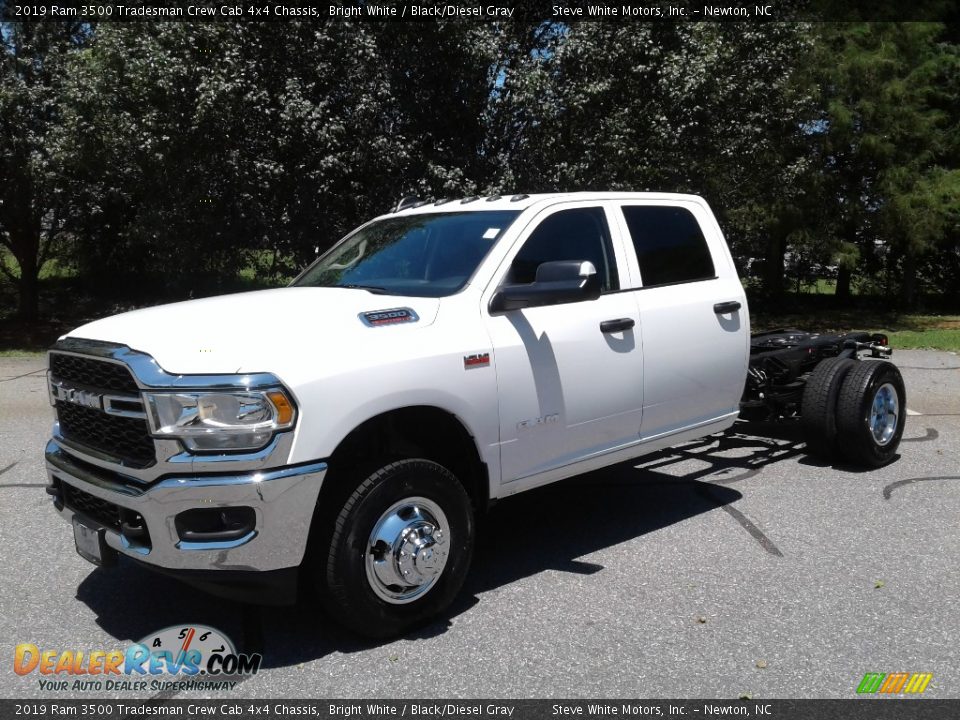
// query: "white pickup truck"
[[344, 432]]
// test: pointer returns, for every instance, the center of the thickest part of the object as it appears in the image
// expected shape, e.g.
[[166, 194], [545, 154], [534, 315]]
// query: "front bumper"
[[283, 500]]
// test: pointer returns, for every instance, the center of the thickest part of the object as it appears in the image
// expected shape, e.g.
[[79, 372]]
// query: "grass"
[[820, 286], [907, 331], [19, 353], [946, 339]]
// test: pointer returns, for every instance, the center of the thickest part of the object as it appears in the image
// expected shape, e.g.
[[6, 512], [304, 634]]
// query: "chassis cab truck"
[[344, 433]]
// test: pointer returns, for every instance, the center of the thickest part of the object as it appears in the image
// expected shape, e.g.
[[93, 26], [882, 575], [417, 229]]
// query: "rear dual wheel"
[[871, 411], [854, 410], [818, 408]]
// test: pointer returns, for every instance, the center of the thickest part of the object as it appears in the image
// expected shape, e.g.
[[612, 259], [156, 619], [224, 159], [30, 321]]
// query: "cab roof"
[[523, 201]]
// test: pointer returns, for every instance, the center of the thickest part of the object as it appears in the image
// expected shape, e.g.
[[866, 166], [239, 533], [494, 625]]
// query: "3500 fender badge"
[[393, 316]]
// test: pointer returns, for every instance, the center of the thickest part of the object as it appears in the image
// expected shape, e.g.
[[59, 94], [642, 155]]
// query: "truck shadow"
[[546, 529]]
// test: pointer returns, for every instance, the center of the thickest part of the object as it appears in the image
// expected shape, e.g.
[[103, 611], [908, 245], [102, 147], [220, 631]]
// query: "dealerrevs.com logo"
[[197, 657]]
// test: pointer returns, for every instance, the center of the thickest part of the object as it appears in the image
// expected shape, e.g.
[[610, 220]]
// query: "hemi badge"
[[393, 316], [478, 360]]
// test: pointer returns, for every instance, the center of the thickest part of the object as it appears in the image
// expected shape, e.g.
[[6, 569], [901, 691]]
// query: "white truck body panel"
[[557, 397]]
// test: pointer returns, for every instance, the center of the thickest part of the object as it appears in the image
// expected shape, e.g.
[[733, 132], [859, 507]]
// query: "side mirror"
[[561, 281]]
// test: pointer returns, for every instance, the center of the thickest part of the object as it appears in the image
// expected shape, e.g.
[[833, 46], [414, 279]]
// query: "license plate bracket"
[[91, 542]]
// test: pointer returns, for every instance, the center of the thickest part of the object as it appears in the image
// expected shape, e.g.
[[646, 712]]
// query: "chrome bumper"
[[283, 500]]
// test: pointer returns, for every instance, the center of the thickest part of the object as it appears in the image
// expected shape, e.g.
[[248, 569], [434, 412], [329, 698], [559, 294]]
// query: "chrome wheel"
[[884, 414], [407, 550]]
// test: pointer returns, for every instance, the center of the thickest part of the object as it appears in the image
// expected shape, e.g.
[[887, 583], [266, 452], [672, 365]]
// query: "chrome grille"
[[121, 437], [125, 438], [93, 373]]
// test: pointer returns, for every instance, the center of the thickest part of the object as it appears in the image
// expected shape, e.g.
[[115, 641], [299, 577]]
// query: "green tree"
[[886, 144], [200, 146], [440, 78], [204, 147], [710, 108], [35, 209]]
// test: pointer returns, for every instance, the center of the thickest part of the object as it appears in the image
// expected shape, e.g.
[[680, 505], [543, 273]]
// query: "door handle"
[[618, 325], [726, 307]]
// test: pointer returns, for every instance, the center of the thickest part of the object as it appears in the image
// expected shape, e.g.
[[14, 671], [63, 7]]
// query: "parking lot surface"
[[730, 566]]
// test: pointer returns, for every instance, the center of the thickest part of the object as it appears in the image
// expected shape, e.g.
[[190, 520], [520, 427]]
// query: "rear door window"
[[670, 245]]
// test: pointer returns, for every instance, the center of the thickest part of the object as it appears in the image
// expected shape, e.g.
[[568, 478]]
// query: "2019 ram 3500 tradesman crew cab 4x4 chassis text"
[[345, 431]]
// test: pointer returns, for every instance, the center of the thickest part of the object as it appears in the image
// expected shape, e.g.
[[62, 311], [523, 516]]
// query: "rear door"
[[693, 314]]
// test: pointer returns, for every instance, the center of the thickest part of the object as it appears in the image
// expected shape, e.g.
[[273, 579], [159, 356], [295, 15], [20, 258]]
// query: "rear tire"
[[818, 406], [400, 549], [871, 411]]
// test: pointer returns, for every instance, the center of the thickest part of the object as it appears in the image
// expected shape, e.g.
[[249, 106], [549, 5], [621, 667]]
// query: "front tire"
[[871, 411], [400, 549]]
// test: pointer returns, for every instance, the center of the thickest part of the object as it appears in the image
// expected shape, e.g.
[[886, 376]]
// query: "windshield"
[[431, 255]]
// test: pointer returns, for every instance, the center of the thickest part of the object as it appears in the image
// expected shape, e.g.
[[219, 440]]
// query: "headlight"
[[220, 420]]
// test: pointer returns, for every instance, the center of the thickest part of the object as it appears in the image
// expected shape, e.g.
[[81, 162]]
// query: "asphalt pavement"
[[730, 566]]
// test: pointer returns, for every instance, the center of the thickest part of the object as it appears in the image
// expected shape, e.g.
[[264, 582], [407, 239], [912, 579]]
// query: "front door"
[[570, 376]]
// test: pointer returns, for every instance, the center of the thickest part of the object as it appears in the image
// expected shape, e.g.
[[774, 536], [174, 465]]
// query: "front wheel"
[[871, 410], [400, 549]]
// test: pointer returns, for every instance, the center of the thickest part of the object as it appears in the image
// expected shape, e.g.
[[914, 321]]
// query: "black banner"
[[567, 11], [853, 709]]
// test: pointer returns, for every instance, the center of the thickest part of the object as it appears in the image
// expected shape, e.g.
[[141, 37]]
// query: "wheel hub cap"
[[407, 550], [884, 414]]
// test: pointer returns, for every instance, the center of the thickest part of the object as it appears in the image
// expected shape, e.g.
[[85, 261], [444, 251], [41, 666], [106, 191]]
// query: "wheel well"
[[421, 431]]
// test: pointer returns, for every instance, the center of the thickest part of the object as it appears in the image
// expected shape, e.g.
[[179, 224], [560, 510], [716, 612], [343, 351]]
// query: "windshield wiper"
[[375, 289]]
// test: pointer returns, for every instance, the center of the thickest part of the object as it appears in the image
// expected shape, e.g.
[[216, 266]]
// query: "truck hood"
[[262, 331]]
